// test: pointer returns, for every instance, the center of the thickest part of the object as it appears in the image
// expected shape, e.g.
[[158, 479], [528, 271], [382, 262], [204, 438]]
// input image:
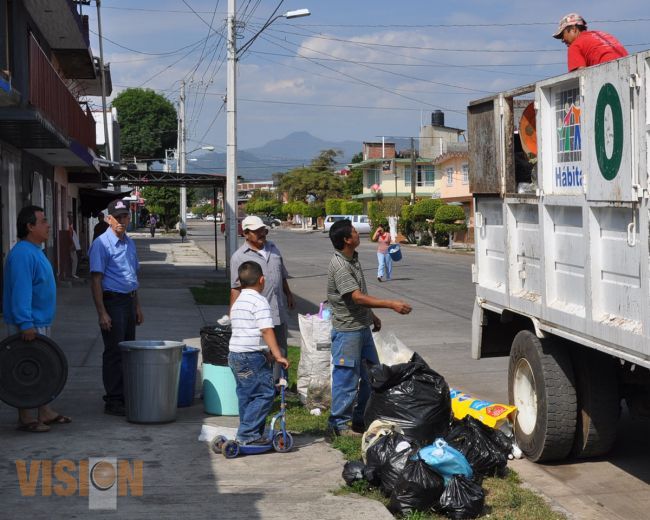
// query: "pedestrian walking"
[[384, 261], [114, 284], [100, 227], [352, 343], [586, 48], [29, 299], [252, 348], [276, 288], [152, 224], [75, 246]]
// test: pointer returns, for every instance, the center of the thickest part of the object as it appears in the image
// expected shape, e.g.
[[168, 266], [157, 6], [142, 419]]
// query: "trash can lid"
[[150, 345]]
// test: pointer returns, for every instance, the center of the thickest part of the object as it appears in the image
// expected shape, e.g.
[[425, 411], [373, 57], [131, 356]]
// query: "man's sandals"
[[33, 427], [59, 419]]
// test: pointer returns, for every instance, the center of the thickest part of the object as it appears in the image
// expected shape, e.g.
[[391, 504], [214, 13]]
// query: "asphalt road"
[[438, 286]]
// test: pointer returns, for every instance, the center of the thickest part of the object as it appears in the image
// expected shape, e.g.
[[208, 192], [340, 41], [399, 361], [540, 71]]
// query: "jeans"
[[385, 265], [255, 392], [121, 309], [349, 377]]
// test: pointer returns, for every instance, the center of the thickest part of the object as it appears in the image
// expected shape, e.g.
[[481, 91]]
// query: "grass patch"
[[505, 498], [212, 293]]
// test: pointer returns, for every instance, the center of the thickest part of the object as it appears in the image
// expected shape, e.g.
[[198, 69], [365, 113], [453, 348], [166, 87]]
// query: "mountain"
[[278, 155]]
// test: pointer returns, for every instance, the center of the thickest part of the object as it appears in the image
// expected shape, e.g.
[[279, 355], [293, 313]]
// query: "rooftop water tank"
[[438, 118]]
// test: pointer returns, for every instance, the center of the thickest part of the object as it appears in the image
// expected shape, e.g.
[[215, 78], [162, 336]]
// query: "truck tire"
[[541, 385], [599, 403]]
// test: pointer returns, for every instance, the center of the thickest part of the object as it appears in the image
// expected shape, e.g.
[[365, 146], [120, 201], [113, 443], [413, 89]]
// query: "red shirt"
[[594, 47]]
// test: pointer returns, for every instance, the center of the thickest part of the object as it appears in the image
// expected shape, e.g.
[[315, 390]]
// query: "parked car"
[[210, 217], [360, 222], [240, 231], [271, 222]]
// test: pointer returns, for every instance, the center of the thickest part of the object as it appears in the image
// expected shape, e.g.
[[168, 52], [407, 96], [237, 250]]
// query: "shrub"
[[334, 206], [426, 209], [407, 224], [450, 219], [351, 207]]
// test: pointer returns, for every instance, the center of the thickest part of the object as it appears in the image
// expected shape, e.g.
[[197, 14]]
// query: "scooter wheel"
[[282, 443], [217, 443], [230, 449]]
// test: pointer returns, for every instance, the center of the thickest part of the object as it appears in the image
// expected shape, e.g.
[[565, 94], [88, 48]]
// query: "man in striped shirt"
[[351, 335], [253, 348]]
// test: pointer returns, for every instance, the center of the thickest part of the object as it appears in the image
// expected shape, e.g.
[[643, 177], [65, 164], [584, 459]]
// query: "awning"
[[93, 201]]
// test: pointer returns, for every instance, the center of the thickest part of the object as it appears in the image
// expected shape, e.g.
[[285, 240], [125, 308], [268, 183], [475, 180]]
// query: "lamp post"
[[207, 148], [231, 119]]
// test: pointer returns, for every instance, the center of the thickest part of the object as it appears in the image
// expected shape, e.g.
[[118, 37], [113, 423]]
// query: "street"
[[438, 286]]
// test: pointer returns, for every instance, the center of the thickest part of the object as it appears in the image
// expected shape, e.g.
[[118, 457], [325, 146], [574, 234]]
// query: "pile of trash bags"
[[416, 454]]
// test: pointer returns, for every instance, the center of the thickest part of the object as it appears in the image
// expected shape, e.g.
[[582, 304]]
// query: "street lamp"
[[231, 118], [182, 169]]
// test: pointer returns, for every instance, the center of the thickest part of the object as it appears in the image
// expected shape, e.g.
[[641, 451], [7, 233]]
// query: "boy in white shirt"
[[253, 347]]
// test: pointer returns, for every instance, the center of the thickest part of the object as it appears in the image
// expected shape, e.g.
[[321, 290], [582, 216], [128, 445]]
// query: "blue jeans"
[[385, 265], [349, 378], [255, 392]]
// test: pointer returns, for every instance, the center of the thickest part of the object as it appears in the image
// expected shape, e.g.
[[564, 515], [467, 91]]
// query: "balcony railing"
[[49, 94]]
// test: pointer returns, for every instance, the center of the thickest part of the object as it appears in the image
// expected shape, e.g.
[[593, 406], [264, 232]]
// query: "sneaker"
[[114, 408], [379, 279]]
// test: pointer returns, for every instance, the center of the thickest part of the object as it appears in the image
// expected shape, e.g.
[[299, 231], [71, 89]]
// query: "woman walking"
[[384, 260]]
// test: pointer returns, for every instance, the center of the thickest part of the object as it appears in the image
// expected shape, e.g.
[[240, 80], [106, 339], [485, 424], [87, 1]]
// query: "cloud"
[[292, 87]]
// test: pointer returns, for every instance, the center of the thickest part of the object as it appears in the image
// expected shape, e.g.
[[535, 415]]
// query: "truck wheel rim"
[[525, 397]]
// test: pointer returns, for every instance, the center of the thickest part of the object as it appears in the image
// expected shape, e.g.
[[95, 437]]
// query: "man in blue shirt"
[[29, 298], [114, 284]]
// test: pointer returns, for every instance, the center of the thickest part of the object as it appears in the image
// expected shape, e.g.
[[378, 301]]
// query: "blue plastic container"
[[395, 252], [187, 382], [219, 390]]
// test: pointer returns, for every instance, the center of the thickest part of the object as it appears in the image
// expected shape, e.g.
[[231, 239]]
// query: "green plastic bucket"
[[219, 390]]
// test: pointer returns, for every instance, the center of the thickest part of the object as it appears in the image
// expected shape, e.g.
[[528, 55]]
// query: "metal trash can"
[[151, 372]]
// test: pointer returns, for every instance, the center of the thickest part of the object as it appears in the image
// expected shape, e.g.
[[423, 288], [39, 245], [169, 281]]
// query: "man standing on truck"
[[586, 48]]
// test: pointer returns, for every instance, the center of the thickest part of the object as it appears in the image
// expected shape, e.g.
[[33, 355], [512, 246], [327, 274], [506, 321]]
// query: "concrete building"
[[47, 132]]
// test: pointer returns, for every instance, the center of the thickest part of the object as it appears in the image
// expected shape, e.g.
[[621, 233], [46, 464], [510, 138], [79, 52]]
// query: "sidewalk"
[[181, 476]]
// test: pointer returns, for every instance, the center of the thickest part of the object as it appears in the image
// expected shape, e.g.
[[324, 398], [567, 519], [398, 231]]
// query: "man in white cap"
[[586, 48], [276, 288]]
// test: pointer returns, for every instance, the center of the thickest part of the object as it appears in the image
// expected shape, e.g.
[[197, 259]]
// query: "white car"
[[360, 222], [190, 215], [210, 217]]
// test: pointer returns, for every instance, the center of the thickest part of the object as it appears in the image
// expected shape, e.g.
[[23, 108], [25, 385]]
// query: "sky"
[[354, 69]]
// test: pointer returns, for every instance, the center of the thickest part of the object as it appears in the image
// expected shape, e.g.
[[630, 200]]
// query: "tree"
[[333, 206], [148, 123], [164, 202], [301, 182], [449, 220], [353, 184], [325, 161]]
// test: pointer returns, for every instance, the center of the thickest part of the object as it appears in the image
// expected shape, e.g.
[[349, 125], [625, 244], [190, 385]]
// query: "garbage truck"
[[560, 175]]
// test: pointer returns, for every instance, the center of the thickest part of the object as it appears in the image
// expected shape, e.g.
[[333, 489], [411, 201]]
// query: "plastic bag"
[[353, 471], [390, 349], [314, 368], [486, 449], [418, 489], [489, 413], [215, 341], [445, 460], [374, 432], [394, 466], [379, 453], [462, 498], [411, 395]]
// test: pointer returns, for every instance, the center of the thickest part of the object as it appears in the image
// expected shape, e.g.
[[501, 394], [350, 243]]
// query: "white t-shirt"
[[248, 316]]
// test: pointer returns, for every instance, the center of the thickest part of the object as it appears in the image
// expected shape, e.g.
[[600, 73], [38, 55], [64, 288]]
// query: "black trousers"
[[121, 309]]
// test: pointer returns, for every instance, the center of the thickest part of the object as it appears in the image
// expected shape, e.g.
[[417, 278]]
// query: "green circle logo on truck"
[[608, 131]]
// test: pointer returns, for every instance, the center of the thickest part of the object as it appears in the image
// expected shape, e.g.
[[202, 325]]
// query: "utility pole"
[[413, 172], [182, 157], [102, 75], [231, 140]]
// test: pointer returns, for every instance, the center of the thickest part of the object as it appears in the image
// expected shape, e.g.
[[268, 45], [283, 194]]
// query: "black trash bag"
[[214, 344], [392, 469], [411, 395], [462, 498], [418, 489], [378, 454], [485, 448], [353, 471]]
